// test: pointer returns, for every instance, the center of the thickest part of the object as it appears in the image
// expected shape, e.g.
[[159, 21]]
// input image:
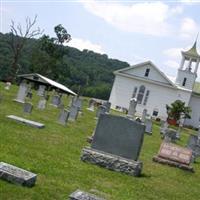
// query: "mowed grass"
[[54, 154]]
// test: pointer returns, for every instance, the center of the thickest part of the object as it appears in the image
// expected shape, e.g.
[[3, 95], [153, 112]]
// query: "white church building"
[[153, 89]]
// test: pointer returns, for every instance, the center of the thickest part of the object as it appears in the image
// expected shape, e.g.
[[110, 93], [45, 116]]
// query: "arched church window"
[[146, 97], [140, 94], [134, 92], [184, 81]]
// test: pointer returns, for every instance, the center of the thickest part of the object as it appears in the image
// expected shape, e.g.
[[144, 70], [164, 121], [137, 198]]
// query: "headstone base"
[[17, 175], [19, 101], [80, 195], [172, 163], [112, 162]]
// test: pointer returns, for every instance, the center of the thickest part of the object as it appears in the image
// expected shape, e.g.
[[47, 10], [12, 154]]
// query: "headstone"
[[17, 175], [7, 86], [41, 90], [91, 105], [174, 155], [148, 126], [56, 100], [144, 114], [27, 107], [132, 108], [26, 121], [42, 104], [170, 135], [22, 92], [107, 104], [101, 110], [63, 117], [164, 127], [194, 145], [81, 195], [116, 144], [73, 113], [77, 102]]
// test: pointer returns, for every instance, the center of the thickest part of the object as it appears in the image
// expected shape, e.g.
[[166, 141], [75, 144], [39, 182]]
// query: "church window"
[[146, 97], [184, 81], [134, 92], [155, 112], [140, 94], [147, 72]]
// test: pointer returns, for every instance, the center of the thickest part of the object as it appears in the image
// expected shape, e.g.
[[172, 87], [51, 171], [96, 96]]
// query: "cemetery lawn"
[[54, 154]]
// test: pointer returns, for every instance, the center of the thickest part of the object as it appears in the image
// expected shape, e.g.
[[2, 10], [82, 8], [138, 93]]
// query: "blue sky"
[[132, 31]]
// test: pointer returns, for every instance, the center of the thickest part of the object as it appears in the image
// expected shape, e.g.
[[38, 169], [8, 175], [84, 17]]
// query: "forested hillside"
[[90, 71]]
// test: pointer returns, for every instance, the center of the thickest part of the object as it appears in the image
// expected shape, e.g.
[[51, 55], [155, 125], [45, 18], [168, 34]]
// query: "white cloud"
[[85, 44], [172, 64], [173, 53], [189, 28], [145, 17]]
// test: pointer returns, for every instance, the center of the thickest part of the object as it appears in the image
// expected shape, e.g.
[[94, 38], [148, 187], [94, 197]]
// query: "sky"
[[131, 31]]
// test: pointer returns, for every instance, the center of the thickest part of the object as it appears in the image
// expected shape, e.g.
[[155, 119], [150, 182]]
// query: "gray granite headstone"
[[194, 145], [77, 102], [22, 92], [119, 136], [81, 195], [56, 100], [101, 110], [27, 107], [17, 175], [170, 135], [42, 104], [107, 104], [91, 105], [73, 113], [41, 90], [163, 127], [144, 114], [132, 108], [26, 121], [149, 125], [63, 117]]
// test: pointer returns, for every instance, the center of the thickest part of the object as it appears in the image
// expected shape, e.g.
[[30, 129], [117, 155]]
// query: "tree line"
[[85, 71]]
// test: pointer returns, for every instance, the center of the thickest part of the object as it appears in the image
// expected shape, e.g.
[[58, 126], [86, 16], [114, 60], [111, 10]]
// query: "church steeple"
[[187, 72]]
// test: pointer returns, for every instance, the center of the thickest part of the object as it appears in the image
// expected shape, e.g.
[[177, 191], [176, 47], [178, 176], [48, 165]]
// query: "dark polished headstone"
[[119, 136]]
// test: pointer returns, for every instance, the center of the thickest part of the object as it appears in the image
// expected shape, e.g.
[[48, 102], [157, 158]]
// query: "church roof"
[[193, 51]]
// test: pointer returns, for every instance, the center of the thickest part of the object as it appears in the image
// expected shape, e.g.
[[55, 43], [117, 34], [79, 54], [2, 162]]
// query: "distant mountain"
[[86, 70]]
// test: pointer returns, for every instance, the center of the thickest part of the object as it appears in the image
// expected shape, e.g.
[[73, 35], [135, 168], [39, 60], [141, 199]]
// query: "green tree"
[[178, 110], [62, 35]]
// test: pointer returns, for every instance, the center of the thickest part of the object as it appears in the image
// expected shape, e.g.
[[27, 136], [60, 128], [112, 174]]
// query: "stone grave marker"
[[63, 116], [17, 175], [73, 113], [194, 145], [132, 108], [76, 101], [26, 121], [91, 105], [101, 110], [56, 100], [7, 86], [163, 127], [107, 104], [174, 155], [22, 92], [144, 114], [41, 90], [81, 195], [170, 135], [27, 107], [116, 144], [42, 104], [148, 126]]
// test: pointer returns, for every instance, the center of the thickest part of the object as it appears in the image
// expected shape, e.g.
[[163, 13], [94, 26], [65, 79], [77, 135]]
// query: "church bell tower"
[[187, 72]]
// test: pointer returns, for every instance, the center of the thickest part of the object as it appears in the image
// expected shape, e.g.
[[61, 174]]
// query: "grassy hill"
[[54, 154]]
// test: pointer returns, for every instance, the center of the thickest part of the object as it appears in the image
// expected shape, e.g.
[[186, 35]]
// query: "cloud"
[[85, 44], [172, 64], [146, 17], [173, 53], [189, 28]]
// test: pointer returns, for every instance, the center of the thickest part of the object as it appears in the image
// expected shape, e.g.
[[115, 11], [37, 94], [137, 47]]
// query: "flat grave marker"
[[81, 195]]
